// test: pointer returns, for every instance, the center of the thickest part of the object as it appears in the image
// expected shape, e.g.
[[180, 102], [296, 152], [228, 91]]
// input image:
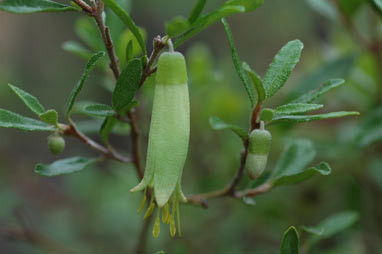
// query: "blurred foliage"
[[92, 211]]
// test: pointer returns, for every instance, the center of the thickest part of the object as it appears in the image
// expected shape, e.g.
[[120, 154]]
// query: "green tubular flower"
[[259, 145], [168, 137]]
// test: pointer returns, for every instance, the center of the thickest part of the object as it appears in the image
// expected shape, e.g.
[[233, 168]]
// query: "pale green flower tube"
[[169, 133]]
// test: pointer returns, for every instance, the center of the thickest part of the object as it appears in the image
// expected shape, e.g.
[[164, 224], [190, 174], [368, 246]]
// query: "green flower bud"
[[259, 146], [267, 114], [169, 135], [56, 144]]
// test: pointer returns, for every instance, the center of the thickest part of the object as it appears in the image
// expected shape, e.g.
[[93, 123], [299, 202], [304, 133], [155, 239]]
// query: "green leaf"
[[29, 6], [316, 93], [332, 225], [291, 242], [77, 89], [114, 23], [350, 7], [76, 49], [238, 65], [324, 7], [129, 22], [127, 85], [64, 166], [176, 26], [282, 66], [256, 81], [323, 169], [310, 118], [295, 158], [50, 117], [99, 110], [9, 119], [207, 20], [29, 100], [337, 68], [297, 108], [218, 124], [196, 11], [227, 9]]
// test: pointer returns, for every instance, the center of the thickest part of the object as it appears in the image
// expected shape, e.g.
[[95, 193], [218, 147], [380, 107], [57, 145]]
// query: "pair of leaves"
[[28, 6], [10, 119]]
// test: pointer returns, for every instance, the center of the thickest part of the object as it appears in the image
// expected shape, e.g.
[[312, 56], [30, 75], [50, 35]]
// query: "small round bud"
[[267, 114], [56, 144]]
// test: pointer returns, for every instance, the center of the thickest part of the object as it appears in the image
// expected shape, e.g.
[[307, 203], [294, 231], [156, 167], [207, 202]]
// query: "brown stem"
[[83, 5]]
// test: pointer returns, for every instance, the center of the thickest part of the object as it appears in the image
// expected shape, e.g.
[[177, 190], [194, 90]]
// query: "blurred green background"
[[93, 211]]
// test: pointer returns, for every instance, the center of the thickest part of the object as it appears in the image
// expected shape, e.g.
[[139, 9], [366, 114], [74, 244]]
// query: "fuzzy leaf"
[[29, 100], [218, 124], [238, 65], [332, 225], [296, 108], [99, 110], [291, 242], [282, 66], [316, 93], [64, 166], [310, 118], [29, 6], [127, 85], [50, 116], [295, 158], [9, 119], [77, 89], [128, 21], [256, 81]]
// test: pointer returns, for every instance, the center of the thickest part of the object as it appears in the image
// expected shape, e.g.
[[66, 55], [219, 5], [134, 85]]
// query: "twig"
[[72, 130]]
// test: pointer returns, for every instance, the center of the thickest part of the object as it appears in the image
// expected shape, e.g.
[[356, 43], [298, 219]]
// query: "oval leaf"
[[64, 166], [50, 116], [310, 118], [29, 6], [297, 108], [9, 119], [291, 242], [316, 93], [282, 66], [127, 85], [29, 100], [99, 110], [294, 159]]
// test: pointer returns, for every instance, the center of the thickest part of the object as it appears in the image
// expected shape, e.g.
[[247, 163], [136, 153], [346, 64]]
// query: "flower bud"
[[56, 144], [259, 145]]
